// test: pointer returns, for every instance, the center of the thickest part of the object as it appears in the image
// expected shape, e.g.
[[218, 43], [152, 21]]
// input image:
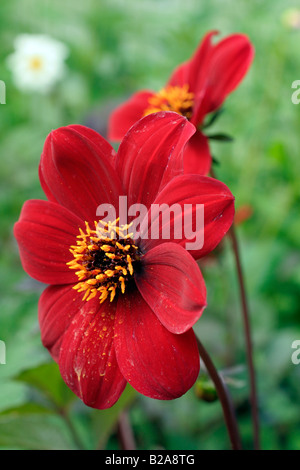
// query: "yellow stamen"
[[100, 256], [36, 63], [172, 98]]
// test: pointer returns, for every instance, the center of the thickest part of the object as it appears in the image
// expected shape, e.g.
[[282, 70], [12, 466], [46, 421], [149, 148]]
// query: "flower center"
[[172, 98], [104, 260], [35, 63]]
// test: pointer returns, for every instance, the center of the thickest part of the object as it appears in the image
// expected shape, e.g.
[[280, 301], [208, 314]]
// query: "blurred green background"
[[117, 47]]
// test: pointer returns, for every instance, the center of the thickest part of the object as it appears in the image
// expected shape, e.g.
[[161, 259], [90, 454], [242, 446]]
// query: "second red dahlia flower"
[[196, 88]]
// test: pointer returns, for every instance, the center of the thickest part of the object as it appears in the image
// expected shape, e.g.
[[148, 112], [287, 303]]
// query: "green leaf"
[[215, 161], [103, 421], [220, 137], [12, 394], [213, 118], [34, 431], [47, 379], [23, 344]]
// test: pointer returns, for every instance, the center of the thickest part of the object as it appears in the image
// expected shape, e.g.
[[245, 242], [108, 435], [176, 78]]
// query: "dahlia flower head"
[[120, 305], [195, 89]]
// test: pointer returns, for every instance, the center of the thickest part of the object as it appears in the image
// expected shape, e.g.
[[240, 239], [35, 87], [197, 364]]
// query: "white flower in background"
[[291, 18], [37, 63]]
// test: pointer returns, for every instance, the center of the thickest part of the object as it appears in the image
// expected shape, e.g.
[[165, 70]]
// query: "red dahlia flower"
[[195, 89], [119, 309]]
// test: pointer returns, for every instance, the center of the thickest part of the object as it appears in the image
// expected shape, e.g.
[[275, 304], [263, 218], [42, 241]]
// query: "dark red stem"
[[125, 434], [224, 397], [247, 328]]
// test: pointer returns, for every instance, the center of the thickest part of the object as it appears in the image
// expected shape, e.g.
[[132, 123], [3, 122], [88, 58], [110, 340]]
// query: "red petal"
[[194, 71], [125, 115], [87, 358], [45, 232], [229, 63], [172, 285], [181, 76], [154, 361], [57, 307], [218, 203], [76, 170], [197, 157], [151, 154]]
